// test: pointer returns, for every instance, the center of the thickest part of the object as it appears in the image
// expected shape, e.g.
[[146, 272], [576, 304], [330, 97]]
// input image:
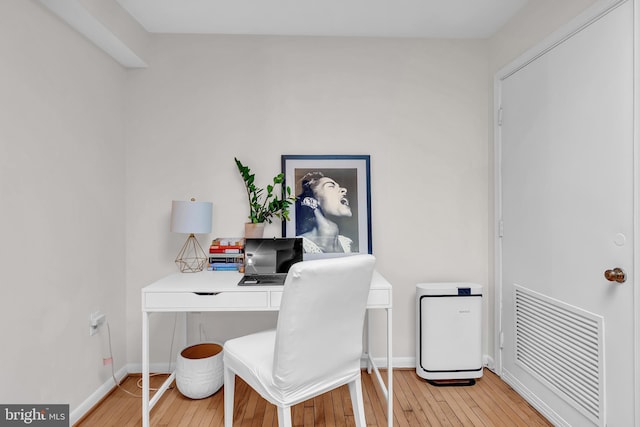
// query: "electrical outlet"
[[96, 319]]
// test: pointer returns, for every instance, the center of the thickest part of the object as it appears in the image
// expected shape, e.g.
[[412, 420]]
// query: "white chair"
[[317, 344]]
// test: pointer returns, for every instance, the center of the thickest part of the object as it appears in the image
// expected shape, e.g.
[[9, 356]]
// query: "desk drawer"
[[276, 299], [222, 300], [377, 297]]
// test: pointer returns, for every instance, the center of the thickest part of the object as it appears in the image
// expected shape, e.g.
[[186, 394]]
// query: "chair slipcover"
[[317, 343]]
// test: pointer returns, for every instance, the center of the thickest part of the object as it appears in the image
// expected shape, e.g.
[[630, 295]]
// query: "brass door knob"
[[615, 275]]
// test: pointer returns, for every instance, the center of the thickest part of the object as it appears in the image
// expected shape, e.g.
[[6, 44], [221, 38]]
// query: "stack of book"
[[226, 254]]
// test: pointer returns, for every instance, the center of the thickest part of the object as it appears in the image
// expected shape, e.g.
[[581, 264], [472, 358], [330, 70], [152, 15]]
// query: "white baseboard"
[[105, 388], [96, 396], [159, 368], [534, 400], [398, 362], [488, 362], [410, 362]]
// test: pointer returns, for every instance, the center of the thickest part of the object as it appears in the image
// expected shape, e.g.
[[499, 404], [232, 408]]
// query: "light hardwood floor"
[[488, 403]]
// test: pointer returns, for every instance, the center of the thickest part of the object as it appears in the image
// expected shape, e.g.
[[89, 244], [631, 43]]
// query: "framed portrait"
[[332, 211]]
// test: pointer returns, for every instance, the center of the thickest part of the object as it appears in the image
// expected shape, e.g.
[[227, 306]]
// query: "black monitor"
[[269, 256]]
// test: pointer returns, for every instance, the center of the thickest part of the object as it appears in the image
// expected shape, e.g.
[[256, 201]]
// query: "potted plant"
[[263, 206]]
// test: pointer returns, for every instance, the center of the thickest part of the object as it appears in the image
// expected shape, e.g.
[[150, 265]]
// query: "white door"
[[566, 210]]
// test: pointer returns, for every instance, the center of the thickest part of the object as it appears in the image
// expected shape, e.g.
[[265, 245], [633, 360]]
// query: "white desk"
[[218, 291]]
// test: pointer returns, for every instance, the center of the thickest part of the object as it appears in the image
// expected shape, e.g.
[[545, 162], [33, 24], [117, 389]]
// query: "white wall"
[[418, 107], [62, 216], [532, 24]]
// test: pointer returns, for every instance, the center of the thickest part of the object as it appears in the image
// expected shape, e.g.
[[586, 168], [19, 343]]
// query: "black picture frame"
[[352, 174]]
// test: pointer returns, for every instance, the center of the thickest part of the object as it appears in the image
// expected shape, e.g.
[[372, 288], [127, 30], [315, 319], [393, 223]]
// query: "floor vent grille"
[[562, 346]]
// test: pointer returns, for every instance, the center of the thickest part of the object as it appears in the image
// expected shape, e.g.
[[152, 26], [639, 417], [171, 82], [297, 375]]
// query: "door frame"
[[584, 19]]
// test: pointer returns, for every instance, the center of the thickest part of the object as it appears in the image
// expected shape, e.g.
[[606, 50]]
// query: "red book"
[[226, 247], [224, 250]]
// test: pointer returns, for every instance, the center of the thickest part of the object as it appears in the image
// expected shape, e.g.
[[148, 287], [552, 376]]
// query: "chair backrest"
[[321, 319]]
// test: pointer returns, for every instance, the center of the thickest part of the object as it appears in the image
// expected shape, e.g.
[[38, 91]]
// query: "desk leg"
[[145, 369], [389, 369], [368, 338]]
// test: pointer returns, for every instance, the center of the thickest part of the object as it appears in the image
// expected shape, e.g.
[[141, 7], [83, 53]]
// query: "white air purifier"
[[449, 333]]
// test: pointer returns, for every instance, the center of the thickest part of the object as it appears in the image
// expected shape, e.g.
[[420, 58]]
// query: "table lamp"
[[191, 218]]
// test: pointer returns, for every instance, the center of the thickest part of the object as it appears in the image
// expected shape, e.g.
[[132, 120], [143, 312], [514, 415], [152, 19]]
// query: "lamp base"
[[191, 257]]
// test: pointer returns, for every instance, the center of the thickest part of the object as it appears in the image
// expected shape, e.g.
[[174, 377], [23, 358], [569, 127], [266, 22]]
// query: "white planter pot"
[[199, 370]]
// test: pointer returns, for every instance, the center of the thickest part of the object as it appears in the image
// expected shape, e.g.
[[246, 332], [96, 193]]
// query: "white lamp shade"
[[191, 217]]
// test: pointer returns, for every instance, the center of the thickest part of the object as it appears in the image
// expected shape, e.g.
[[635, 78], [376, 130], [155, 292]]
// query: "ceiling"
[[359, 18]]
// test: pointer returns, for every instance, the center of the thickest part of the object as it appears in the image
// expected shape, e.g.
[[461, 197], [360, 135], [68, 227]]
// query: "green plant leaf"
[[263, 207]]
